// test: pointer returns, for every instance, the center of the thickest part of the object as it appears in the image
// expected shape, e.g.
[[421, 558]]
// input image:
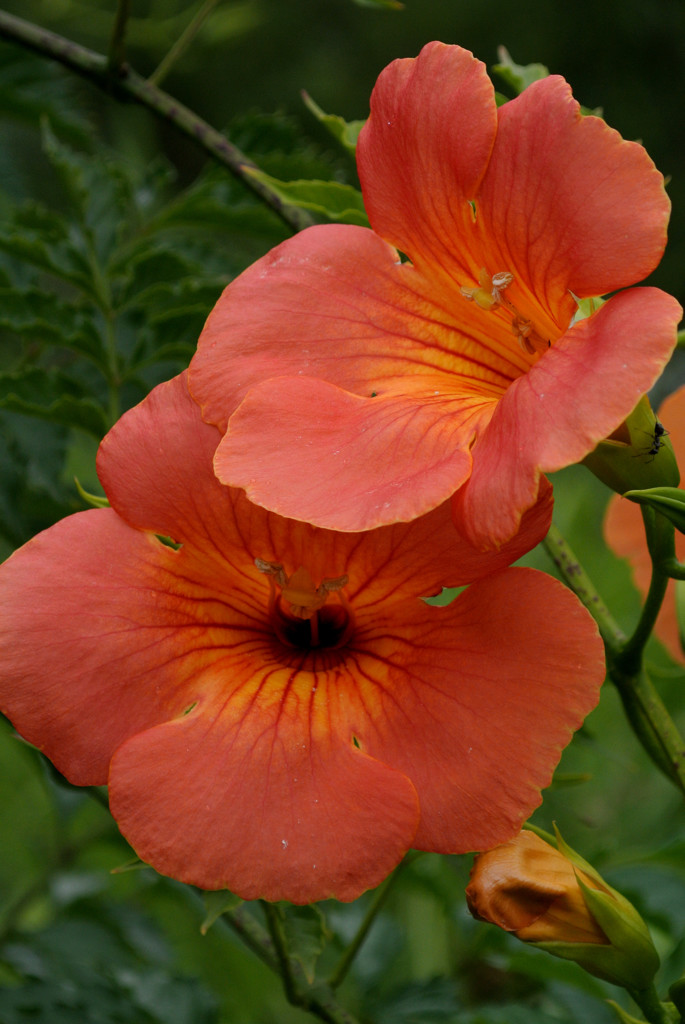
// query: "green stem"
[[643, 706], [317, 999], [129, 85], [273, 920], [582, 586], [117, 54], [652, 1008], [182, 43], [253, 935], [379, 897], [651, 723], [660, 542], [674, 569]]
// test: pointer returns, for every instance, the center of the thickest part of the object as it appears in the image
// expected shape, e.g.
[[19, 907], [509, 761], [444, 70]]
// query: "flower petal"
[[103, 632], [479, 701], [559, 411], [308, 450], [423, 152], [567, 205], [257, 797], [335, 303]]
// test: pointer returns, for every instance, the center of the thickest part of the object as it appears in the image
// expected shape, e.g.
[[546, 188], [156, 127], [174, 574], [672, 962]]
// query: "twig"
[[130, 85], [182, 43], [117, 53]]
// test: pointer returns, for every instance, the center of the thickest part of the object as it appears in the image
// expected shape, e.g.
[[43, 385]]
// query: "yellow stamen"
[[488, 296]]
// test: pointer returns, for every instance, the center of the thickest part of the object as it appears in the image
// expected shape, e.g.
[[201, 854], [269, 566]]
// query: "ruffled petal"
[[266, 795], [567, 205], [336, 303], [478, 702], [423, 152], [104, 632], [311, 451], [563, 407]]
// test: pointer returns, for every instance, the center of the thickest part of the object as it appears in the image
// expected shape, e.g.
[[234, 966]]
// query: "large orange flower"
[[364, 376], [275, 708]]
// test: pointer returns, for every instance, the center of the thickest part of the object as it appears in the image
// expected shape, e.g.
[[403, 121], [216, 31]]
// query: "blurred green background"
[[78, 944]]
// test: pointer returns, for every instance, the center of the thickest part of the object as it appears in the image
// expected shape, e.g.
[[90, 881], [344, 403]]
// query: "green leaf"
[[306, 935], [59, 258], [99, 188], [51, 395], [43, 317], [517, 76], [217, 903], [669, 501], [341, 203], [346, 132]]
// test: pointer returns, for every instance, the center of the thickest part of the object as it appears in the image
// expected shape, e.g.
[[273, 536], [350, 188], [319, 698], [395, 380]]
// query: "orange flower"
[[275, 708], [624, 530], [362, 377]]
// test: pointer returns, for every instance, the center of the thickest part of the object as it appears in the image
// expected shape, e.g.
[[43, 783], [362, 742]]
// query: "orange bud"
[[527, 887], [552, 898]]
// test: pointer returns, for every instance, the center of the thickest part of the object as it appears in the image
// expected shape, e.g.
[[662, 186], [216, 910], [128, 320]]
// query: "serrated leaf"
[[518, 76], [32, 87], [669, 501], [346, 132], [341, 203], [151, 269], [306, 935], [53, 396], [100, 190], [61, 258], [216, 904], [39, 313]]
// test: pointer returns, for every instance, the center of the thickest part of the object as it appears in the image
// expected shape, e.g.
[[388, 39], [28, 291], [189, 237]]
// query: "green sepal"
[[340, 203], [346, 132], [638, 455], [217, 903], [669, 501], [629, 959], [96, 500], [517, 76], [624, 1018]]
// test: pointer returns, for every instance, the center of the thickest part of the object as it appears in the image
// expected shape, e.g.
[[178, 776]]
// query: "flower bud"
[[553, 899], [638, 455]]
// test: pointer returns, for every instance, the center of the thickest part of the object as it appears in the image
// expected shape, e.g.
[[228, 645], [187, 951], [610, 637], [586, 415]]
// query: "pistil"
[[295, 598]]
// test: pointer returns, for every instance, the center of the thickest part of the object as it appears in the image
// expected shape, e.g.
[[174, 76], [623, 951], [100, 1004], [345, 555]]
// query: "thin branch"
[[379, 897], [182, 43], [117, 51], [130, 85], [582, 586]]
